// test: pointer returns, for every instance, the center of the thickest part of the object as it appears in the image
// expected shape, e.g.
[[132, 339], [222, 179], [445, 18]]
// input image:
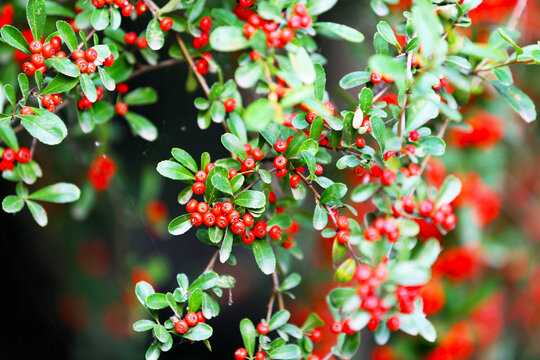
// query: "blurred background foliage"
[[68, 288]]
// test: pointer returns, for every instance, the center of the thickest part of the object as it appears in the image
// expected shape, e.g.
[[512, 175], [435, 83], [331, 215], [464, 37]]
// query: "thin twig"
[[275, 279], [191, 63], [212, 262]]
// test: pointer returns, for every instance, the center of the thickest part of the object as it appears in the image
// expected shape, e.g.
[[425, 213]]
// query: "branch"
[[212, 262], [275, 279], [191, 63]]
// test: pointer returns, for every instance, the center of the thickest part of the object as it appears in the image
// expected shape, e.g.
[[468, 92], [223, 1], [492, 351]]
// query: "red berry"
[[260, 229], [260, 355], [78, 54], [362, 272], [336, 327], [121, 108], [248, 237], [206, 24], [376, 77], [425, 208], [389, 154], [29, 68], [393, 323], [56, 42], [196, 219], [286, 35], [318, 169], [275, 232], [181, 327], [122, 88], [449, 222], [98, 3], [342, 222], [26, 110], [130, 38], [9, 155], [91, 68], [414, 136], [200, 317], [84, 104], [257, 154], [388, 177], [191, 319], [310, 116], [281, 172], [201, 176], [227, 207], [82, 65], [360, 142], [127, 10], [280, 162], [263, 328], [249, 163], [48, 50], [294, 181], [342, 236], [36, 46], [347, 327], [300, 9], [372, 324], [37, 60], [371, 234], [198, 188], [140, 8], [90, 55], [142, 43], [230, 105], [222, 221], [407, 203], [202, 66], [295, 22], [238, 227], [316, 335], [280, 146], [388, 79], [240, 354], [109, 60], [192, 206], [209, 167], [202, 207], [255, 55]]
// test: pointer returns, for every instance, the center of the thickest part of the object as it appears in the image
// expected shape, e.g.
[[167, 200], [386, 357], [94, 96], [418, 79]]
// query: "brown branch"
[[163, 64], [191, 63], [212, 262], [275, 280]]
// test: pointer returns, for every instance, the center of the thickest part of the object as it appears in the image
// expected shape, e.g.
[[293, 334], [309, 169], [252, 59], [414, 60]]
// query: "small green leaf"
[[234, 145], [345, 271], [317, 7], [228, 38], [100, 18], [199, 332], [247, 75], [387, 34], [161, 333], [12, 204], [354, 79], [450, 189], [290, 282], [320, 81], [67, 34], [154, 35], [249, 335], [174, 170], [36, 14], [12, 36], [312, 321], [302, 65], [45, 126], [8, 135], [279, 319], [60, 84], [427, 25], [363, 192], [320, 218], [343, 31], [433, 145], [60, 193], [180, 225], [251, 199], [333, 193], [195, 300], [38, 212], [157, 301], [141, 96], [264, 256], [143, 325], [153, 352], [284, 352], [106, 79], [517, 100], [184, 158], [88, 87], [222, 184], [429, 253], [206, 281], [63, 66], [141, 126], [226, 246], [409, 273]]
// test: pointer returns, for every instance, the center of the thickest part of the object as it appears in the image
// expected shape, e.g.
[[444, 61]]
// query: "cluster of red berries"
[[201, 40], [203, 65], [253, 155], [406, 295], [131, 38], [382, 226], [9, 156], [369, 281], [85, 104], [191, 319], [443, 215], [40, 52], [125, 7], [376, 78], [101, 172], [443, 82], [342, 223], [275, 37], [86, 60]]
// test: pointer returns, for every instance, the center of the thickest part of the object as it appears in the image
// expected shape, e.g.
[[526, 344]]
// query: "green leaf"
[[234, 145], [157, 301], [290, 282], [366, 99], [247, 75], [354, 79], [302, 65], [210, 306], [409, 273], [317, 7], [343, 31], [195, 300], [249, 335], [143, 290], [169, 6], [450, 189], [228, 38], [60, 193], [45, 126], [180, 225], [379, 131], [433, 145], [8, 135], [338, 297], [508, 38], [153, 352], [363, 192], [217, 112], [429, 253], [12, 204], [426, 329], [288, 351], [55, 9], [320, 218], [389, 66], [206, 281], [185, 159], [36, 14], [258, 115], [427, 26], [310, 162], [199, 332], [63, 66], [154, 35], [517, 100], [24, 85], [10, 94], [161, 333], [333, 193], [38, 212], [143, 325], [100, 18], [174, 170], [226, 246], [60, 84], [222, 184], [320, 81], [106, 79], [279, 319], [67, 34], [12, 36], [141, 96], [251, 199], [345, 271], [141, 126], [312, 321], [264, 256], [350, 345], [88, 87], [387, 34]]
